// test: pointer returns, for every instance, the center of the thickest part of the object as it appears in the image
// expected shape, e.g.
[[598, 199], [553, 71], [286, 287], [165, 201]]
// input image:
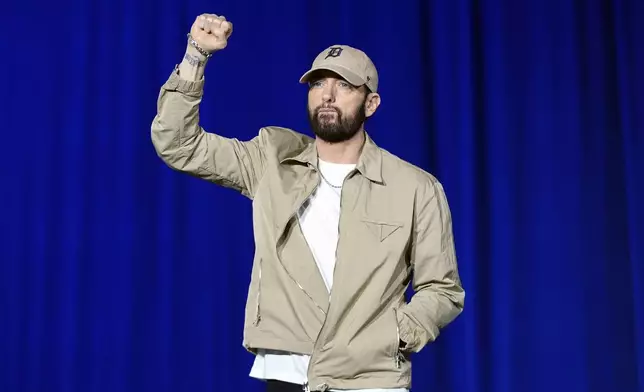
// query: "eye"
[[344, 84], [316, 83]]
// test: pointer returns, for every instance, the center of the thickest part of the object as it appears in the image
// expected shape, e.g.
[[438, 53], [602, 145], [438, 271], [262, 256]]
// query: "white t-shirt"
[[319, 219]]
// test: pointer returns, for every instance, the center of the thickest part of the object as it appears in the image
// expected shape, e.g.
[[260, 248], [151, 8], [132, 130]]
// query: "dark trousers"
[[281, 386]]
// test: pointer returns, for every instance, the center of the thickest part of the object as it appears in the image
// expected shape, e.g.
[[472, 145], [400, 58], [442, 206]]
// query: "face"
[[337, 110]]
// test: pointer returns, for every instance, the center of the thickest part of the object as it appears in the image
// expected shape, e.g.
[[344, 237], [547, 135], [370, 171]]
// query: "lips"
[[323, 111]]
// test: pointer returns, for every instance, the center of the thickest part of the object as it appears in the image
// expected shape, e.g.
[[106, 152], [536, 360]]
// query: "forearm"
[[184, 145], [175, 128], [429, 310], [193, 65], [177, 135], [439, 295]]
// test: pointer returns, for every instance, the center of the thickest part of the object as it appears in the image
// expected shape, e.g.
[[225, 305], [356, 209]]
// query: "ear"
[[371, 103]]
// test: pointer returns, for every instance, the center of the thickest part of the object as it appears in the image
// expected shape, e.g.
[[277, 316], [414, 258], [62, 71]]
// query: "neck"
[[343, 152]]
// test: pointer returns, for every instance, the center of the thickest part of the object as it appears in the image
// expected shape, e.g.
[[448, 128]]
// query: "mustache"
[[327, 107]]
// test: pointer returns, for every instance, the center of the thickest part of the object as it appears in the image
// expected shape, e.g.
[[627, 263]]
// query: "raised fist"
[[211, 32]]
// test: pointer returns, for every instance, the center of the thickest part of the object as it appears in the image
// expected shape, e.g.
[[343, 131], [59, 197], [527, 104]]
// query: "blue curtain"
[[118, 274]]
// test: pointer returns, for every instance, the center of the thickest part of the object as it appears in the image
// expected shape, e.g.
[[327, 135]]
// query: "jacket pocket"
[[381, 229]]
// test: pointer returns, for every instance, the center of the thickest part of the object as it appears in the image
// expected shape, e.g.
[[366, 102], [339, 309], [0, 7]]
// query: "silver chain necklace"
[[327, 181]]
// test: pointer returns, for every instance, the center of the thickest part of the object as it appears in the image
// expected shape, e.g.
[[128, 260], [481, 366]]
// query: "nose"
[[328, 94]]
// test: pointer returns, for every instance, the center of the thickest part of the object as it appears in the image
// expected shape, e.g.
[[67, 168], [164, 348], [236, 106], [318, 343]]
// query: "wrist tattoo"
[[194, 60]]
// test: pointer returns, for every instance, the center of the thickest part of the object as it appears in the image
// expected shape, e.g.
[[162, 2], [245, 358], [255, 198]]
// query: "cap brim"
[[346, 74]]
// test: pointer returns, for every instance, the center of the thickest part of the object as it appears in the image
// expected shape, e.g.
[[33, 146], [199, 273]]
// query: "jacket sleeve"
[[181, 142], [438, 295]]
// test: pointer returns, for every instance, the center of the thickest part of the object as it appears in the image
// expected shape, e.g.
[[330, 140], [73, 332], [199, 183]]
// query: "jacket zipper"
[[305, 387], [293, 216], [258, 316], [325, 387], [396, 350]]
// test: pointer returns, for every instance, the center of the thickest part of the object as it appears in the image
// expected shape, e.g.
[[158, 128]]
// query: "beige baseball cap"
[[350, 63]]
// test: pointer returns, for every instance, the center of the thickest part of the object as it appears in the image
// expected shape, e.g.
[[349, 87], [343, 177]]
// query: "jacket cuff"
[[188, 87]]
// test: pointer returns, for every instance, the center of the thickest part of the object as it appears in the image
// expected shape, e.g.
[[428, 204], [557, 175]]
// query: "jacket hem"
[[373, 381], [270, 343]]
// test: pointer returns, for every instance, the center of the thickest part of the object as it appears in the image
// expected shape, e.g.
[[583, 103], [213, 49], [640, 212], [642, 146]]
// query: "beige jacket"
[[395, 230]]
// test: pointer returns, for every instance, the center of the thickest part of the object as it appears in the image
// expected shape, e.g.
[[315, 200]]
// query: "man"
[[341, 227]]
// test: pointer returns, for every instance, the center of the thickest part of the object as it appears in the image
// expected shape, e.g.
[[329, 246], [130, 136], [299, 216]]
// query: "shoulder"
[[403, 173], [283, 142], [276, 135], [428, 192]]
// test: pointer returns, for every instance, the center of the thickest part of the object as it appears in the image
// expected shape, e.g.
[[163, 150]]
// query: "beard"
[[338, 127]]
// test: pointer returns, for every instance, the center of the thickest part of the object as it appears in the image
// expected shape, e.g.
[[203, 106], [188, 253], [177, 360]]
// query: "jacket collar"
[[369, 163]]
